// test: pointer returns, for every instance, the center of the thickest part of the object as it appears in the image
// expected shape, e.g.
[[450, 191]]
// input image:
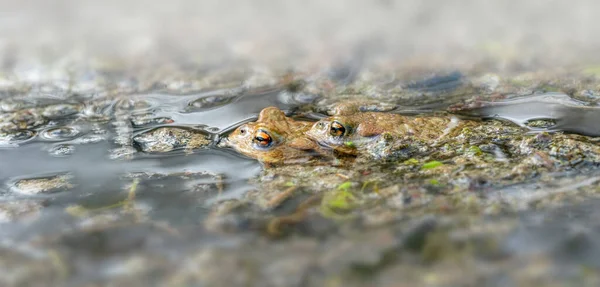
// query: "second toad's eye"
[[337, 129], [262, 139]]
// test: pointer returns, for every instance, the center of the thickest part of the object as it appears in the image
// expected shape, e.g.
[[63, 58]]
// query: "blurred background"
[[141, 34]]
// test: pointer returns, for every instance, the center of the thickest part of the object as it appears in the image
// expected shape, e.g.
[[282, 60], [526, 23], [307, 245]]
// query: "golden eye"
[[262, 139], [337, 129]]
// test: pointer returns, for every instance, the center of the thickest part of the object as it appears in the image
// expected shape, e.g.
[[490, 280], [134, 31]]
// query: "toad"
[[384, 135], [273, 138]]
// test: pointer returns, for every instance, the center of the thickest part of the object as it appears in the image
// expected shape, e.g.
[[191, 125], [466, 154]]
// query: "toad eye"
[[337, 129], [262, 139]]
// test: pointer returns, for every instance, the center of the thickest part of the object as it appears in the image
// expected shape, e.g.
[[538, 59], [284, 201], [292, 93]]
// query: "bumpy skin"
[[288, 142], [381, 134]]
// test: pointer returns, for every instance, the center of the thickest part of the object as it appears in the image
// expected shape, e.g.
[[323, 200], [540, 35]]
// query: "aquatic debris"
[[540, 123], [128, 204], [200, 181], [62, 150]]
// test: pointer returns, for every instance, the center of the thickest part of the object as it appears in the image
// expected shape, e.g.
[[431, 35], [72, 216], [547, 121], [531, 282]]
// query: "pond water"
[[134, 188]]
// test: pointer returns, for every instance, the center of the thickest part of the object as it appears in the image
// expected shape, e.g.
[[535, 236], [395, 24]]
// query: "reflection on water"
[[568, 114]]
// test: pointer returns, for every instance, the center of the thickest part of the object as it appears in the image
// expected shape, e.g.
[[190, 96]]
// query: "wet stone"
[[7, 126], [43, 185], [170, 138], [27, 119]]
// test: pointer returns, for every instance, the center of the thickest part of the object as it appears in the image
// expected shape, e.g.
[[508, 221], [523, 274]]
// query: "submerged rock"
[[43, 184], [167, 139]]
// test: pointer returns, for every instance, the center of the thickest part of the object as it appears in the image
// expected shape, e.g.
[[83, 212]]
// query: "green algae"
[[432, 164], [434, 182], [475, 150], [345, 186], [343, 200], [338, 203]]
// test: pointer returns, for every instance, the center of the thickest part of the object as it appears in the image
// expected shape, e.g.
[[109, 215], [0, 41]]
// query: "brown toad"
[[273, 138], [384, 135]]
